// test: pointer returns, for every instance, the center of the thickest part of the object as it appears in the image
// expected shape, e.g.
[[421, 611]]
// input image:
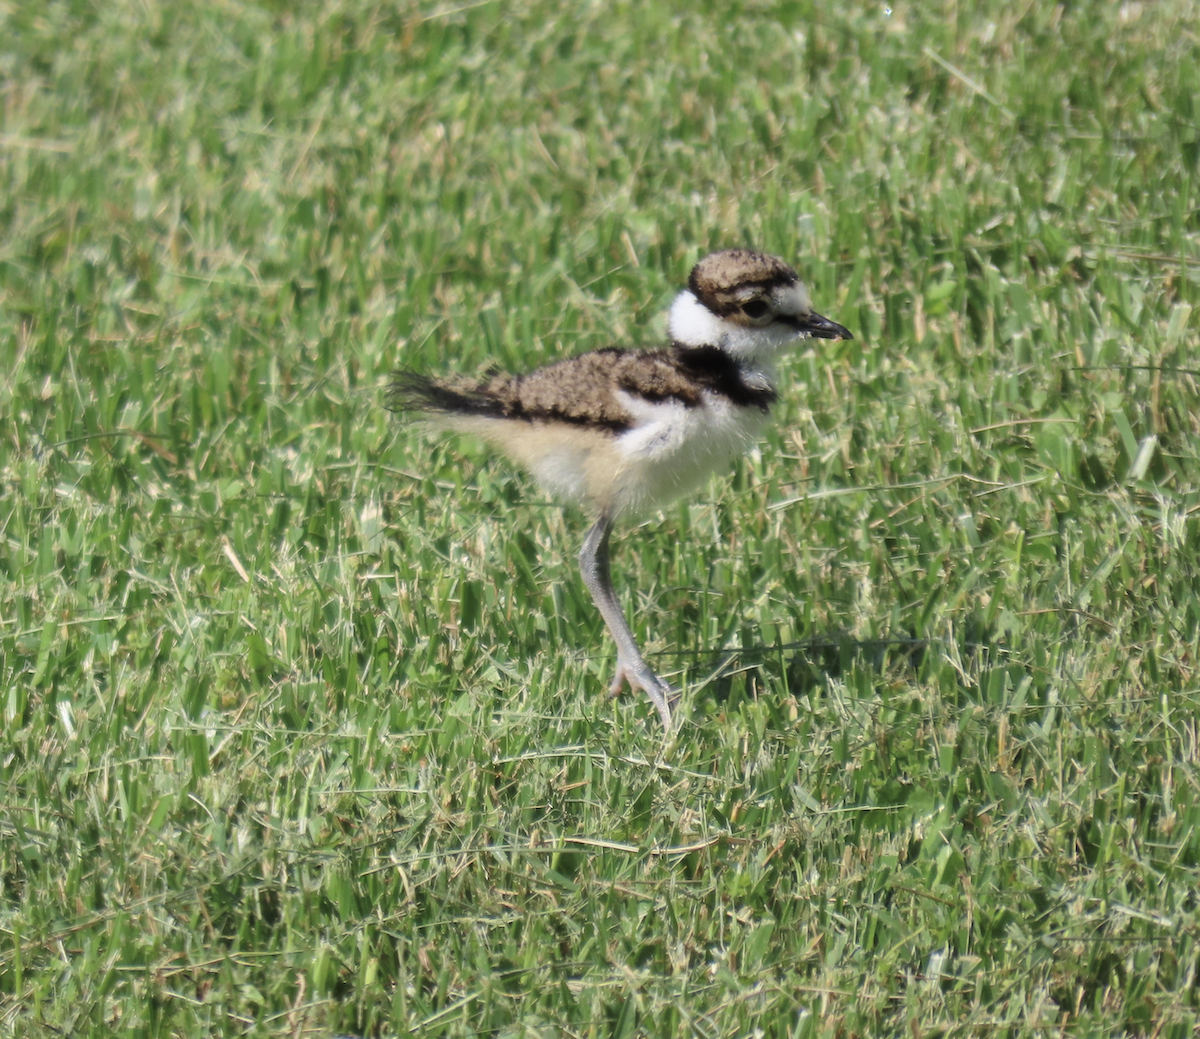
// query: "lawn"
[[305, 729]]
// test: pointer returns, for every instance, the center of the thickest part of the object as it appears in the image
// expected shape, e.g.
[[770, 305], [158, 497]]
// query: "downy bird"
[[623, 431]]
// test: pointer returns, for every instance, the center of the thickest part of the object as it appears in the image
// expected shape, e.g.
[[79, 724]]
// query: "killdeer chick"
[[622, 431]]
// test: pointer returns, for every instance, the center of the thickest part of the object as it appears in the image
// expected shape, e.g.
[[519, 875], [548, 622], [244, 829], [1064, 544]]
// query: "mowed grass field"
[[304, 719]]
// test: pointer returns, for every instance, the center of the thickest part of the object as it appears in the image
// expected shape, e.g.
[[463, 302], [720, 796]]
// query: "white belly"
[[670, 451], [674, 449]]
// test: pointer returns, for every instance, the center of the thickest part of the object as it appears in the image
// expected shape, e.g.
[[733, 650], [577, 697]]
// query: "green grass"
[[304, 725]]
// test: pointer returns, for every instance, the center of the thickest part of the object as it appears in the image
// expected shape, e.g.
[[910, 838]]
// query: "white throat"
[[691, 323]]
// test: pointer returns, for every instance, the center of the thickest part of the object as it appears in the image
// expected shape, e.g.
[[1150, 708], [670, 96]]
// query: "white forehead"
[[791, 299]]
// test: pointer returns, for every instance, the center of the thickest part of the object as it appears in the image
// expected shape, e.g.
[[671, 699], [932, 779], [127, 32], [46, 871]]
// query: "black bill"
[[821, 327]]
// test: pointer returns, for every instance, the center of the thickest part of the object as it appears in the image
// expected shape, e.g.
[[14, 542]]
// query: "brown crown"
[[719, 274]]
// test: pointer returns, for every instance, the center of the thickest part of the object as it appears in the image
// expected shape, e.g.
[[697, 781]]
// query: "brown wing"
[[580, 390], [584, 389]]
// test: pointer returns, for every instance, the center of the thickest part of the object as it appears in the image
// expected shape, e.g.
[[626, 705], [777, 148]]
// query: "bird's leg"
[[631, 667]]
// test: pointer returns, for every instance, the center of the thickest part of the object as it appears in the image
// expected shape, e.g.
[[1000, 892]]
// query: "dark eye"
[[755, 309]]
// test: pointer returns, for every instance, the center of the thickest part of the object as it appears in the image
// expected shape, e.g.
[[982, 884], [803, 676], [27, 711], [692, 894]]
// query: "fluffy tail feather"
[[413, 392]]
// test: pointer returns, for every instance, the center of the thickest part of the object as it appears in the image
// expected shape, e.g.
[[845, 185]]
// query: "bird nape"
[[622, 432]]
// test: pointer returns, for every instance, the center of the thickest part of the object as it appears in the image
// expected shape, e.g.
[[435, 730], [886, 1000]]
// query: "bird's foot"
[[662, 694]]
